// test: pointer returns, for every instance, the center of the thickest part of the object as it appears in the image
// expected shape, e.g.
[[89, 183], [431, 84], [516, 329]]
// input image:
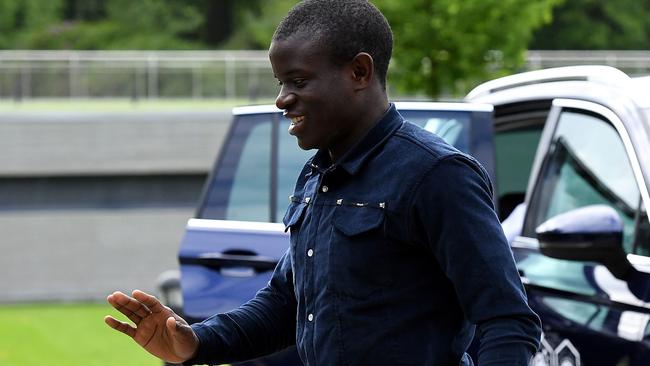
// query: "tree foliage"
[[22, 16], [448, 46], [596, 25], [111, 24]]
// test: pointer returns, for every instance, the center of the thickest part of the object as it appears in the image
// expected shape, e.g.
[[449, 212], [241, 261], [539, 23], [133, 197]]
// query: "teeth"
[[297, 119]]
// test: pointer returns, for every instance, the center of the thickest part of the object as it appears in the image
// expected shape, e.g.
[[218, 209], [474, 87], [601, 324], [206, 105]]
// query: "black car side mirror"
[[591, 233]]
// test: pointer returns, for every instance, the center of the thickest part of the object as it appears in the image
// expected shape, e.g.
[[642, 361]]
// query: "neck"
[[369, 113]]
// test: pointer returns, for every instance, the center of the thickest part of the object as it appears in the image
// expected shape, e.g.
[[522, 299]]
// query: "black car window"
[[587, 165], [514, 154]]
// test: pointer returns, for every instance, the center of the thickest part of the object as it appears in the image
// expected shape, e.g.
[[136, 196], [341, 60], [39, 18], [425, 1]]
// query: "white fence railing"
[[199, 74]]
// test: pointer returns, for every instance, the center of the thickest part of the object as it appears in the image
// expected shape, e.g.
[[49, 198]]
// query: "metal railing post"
[[73, 74], [152, 76], [230, 77], [197, 81]]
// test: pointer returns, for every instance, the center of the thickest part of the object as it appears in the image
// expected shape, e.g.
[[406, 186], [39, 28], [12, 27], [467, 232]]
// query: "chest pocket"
[[359, 252], [293, 217], [354, 220]]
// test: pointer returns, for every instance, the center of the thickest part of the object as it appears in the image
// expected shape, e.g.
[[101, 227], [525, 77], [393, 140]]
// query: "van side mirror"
[[591, 233]]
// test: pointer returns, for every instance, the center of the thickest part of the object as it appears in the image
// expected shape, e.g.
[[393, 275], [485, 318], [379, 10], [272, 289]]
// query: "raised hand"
[[157, 329]]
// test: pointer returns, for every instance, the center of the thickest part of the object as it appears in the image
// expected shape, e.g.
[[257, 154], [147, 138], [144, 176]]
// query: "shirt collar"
[[352, 160]]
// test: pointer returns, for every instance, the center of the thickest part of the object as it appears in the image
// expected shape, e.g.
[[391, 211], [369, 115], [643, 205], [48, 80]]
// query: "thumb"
[[175, 327], [185, 342]]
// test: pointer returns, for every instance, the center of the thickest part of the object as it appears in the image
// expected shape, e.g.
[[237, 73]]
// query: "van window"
[[240, 188], [451, 126], [514, 153]]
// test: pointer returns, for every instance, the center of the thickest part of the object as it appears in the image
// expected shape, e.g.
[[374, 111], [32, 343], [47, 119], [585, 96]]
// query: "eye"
[[279, 83], [299, 83]]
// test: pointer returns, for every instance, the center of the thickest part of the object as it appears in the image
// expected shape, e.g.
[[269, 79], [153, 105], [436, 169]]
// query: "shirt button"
[[310, 253], [310, 317], [325, 189]]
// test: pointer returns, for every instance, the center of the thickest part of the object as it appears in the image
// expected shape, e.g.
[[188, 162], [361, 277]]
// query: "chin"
[[305, 145]]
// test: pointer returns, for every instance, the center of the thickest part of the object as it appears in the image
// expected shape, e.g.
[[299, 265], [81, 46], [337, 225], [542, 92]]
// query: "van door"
[[589, 316]]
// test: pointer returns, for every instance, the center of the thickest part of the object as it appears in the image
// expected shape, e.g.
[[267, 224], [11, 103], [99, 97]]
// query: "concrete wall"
[[64, 143], [84, 254]]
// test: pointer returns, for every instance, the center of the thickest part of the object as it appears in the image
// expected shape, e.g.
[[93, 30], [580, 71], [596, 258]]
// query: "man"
[[396, 254]]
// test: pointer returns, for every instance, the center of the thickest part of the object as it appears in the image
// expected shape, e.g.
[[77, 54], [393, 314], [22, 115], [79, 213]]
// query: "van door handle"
[[219, 260]]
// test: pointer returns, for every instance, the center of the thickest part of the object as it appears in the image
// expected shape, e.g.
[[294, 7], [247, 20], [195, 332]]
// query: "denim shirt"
[[396, 258]]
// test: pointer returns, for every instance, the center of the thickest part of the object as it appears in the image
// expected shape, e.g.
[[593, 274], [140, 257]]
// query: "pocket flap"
[[293, 214], [352, 220]]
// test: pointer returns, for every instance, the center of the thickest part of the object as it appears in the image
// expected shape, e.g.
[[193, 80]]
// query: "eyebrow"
[[292, 72]]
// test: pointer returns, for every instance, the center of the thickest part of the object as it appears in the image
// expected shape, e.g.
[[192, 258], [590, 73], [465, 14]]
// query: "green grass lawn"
[[65, 335]]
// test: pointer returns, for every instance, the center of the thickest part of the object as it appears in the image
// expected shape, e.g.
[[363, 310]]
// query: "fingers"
[[120, 326], [149, 301], [132, 308]]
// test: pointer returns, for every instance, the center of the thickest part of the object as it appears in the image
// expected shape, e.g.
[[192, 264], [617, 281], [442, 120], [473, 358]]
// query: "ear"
[[363, 70]]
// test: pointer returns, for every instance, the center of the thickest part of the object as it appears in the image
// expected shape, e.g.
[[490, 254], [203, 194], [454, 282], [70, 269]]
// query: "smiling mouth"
[[295, 122]]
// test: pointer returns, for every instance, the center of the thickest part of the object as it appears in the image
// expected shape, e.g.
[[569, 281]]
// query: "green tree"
[[596, 24], [117, 24], [445, 47], [18, 16], [256, 23]]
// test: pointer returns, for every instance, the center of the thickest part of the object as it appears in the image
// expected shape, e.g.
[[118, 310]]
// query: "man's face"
[[315, 94]]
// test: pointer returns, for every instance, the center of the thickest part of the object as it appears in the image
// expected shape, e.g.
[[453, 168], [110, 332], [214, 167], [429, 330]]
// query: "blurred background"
[[112, 112]]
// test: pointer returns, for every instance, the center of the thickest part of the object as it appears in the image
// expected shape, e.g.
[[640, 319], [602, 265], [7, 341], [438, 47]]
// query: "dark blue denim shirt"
[[397, 258]]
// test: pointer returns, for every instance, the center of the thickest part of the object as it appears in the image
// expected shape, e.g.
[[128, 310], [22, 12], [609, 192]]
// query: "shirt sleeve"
[[263, 325], [454, 205]]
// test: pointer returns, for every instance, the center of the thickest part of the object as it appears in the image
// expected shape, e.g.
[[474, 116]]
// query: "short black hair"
[[345, 27]]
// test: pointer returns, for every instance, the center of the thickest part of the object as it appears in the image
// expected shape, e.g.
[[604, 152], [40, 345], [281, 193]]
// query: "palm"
[[157, 329]]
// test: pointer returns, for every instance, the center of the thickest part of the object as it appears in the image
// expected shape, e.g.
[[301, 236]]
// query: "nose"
[[285, 99]]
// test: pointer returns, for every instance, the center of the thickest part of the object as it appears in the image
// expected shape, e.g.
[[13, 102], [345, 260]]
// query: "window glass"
[[588, 165], [453, 127], [514, 152], [240, 189], [249, 196]]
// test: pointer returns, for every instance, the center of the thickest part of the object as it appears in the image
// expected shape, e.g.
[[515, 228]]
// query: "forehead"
[[298, 51]]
